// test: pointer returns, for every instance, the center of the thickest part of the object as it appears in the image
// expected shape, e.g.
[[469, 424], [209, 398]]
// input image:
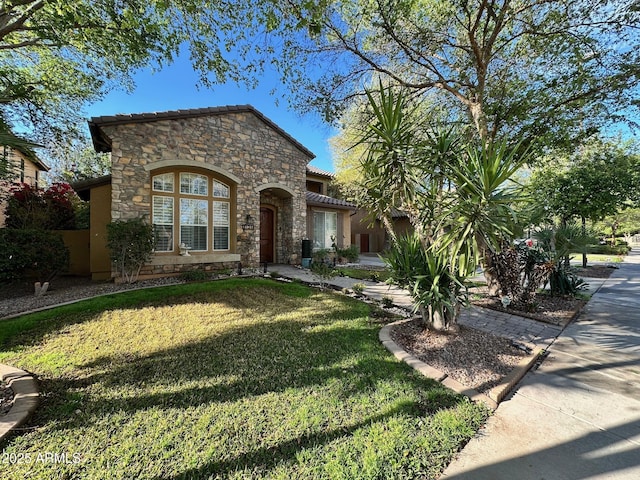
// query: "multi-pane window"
[[185, 212], [325, 226], [220, 189]]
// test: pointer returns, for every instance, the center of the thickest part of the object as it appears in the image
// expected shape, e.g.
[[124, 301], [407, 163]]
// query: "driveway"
[[578, 415]]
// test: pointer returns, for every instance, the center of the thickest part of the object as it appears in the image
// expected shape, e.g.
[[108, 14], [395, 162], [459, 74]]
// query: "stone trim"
[[196, 258], [178, 164], [279, 186]]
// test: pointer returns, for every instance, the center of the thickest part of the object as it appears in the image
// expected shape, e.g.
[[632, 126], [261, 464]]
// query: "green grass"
[[232, 379], [596, 257]]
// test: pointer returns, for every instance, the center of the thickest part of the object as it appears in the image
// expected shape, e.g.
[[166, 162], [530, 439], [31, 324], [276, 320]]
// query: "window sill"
[[162, 259]]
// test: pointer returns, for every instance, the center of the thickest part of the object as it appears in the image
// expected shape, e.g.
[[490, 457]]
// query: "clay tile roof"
[[322, 200], [319, 172], [103, 144]]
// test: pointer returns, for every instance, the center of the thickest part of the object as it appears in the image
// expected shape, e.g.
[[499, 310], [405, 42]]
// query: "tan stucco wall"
[[362, 226], [238, 146], [77, 241], [100, 216]]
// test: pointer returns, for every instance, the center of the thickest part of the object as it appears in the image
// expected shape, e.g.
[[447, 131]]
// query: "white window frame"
[[192, 185], [327, 237], [200, 201], [164, 223], [215, 225]]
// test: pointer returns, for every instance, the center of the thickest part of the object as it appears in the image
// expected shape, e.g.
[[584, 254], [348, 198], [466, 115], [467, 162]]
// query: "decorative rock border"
[[495, 396], [25, 400]]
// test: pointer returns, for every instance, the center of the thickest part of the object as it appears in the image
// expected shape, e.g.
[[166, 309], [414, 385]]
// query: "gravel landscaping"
[[6, 398], [474, 358]]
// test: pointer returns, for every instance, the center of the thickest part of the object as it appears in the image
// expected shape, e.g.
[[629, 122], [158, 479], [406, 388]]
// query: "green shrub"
[[321, 256], [131, 244], [358, 288], [323, 271], [350, 253], [194, 276], [27, 252], [387, 301], [620, 249]]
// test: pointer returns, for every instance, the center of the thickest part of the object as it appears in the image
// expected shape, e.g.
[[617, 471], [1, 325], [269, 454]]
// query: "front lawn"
[[231, 379]]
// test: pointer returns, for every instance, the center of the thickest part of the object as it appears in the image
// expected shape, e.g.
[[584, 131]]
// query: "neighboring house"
[[371, 236], [226, 183], [327, 218], [25, 167]]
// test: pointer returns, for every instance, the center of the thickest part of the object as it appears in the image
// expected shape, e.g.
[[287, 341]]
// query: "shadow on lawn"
[[263, 358]]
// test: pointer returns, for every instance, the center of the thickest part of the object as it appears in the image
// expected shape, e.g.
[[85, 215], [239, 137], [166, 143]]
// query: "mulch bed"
[[474, 358], [558, 310], [545, 308]]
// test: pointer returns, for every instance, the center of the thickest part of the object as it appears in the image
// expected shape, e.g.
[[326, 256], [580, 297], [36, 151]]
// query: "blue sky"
[[174, 88]]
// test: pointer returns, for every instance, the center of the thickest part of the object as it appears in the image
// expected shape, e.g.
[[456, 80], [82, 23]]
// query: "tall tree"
[[522, 68], [597, 181], [74, 160]]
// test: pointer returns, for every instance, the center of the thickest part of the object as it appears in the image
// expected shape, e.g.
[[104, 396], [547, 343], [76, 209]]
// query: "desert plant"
[[437, 290], [358, 288], [130, 243], [564, 282]]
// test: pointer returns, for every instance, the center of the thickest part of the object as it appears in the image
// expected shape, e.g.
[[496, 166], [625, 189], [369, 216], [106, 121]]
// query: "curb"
[[495, 396], [25, 400]]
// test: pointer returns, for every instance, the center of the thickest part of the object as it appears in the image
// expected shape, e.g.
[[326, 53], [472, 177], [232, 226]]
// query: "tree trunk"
[[584, 247]]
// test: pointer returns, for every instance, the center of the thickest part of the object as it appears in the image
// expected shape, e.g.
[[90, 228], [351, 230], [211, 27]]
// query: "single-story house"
[[220, 185], [24, 167]]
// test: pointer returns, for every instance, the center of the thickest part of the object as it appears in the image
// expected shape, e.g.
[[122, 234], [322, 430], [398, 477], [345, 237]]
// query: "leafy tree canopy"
[[56, 55], [598, 180], [515, 68]]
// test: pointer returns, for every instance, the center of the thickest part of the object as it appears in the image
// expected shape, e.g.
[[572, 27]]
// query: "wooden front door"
[[267, 230], [364, 243]]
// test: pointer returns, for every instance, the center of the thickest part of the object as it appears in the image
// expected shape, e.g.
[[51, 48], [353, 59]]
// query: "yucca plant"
[[436, 288]]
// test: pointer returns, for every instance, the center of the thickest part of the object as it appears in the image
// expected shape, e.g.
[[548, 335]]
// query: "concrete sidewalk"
[[578, 415]]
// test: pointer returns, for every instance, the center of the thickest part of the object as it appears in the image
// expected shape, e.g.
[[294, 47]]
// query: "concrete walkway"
[[578, 415], [519, 329]]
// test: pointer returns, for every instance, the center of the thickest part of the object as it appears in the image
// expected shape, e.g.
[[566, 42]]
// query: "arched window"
[[192, 210]]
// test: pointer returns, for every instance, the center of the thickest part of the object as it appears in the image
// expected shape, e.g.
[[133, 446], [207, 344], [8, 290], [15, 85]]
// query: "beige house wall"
[[100, 216], [27, 175]]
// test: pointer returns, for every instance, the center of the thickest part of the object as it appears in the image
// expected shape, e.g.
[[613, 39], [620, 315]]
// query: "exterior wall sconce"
[[248, 224]]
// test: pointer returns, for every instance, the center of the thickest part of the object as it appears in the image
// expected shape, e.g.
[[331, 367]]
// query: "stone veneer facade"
[[241, 147]]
